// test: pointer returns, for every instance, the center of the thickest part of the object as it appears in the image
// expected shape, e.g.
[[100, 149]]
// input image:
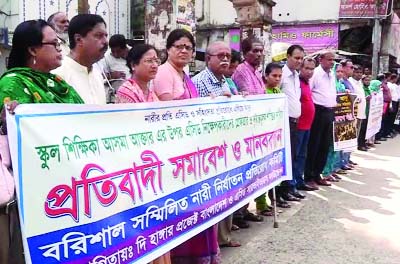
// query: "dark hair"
[[136, 54], [247, 44], [381, 77], [82, 24], [344, 62], [50, 19], [117, 41], [177, 34], [357, 67], [308, 59], [236, 56], [393, 76], [387, 75], [271, 66], [27, 34], [292, 48]]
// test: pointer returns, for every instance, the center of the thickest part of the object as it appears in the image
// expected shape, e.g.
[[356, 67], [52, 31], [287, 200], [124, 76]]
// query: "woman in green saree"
[[35, 52]]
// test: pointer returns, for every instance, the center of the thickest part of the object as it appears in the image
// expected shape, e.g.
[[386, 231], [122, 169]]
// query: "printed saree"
[[25, 85]]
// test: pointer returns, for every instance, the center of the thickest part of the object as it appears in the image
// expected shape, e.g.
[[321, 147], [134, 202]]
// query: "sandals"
[[235, 228], [282, 204], [241, 224], [230, 244], [266, 212], [252, 217]]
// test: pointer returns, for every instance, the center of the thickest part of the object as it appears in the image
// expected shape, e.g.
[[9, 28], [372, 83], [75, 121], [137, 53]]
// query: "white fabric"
[[6, 178], [323, 87], [89, 85], [291, 87], [393, 91], [362, 103], [111, 64]]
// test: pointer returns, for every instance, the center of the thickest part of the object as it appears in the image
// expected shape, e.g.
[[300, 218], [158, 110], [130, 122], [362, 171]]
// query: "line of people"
[[38, 73]]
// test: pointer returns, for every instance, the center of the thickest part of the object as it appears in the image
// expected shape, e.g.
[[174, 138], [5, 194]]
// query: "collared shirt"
[[206, 84], [362, 103], [291, 87], [88, 84], [248, 79], [348, 85], [323, 87], [307, 106]]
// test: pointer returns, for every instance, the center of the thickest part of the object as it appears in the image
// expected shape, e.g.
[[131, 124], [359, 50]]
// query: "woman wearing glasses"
[[143, 63], [172, 83], [35, 52]]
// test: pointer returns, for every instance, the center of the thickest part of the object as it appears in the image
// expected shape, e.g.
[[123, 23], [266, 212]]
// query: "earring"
[[34, 60]]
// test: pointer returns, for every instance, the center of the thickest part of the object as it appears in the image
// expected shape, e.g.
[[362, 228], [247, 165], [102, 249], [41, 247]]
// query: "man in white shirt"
[[395, 101], [88, 42], [113, 65], [323, 88], [59, 22], [291, 87], [358, 87], [114, 62]]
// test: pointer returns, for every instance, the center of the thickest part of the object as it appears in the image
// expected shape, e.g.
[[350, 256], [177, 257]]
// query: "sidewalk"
[[354, 221]]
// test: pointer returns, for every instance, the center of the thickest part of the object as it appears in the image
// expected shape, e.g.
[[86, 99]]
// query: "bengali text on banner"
[[127, 183]]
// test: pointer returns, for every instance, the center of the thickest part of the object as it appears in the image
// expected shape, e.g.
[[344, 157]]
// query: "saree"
[[202, 248], [25, 85]]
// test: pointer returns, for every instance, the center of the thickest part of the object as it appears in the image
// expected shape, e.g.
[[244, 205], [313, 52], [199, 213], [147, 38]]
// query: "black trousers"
[[361, 136], [321, 138]]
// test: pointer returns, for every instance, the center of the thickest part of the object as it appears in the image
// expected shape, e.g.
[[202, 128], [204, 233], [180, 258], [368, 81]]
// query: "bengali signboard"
[[126, 183], [374, 115], [312, 37], [362, 8], [345, 124]]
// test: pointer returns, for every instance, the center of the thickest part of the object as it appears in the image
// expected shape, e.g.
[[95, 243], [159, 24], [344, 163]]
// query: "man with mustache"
[[88, 42], [211, 81], [59, 22]]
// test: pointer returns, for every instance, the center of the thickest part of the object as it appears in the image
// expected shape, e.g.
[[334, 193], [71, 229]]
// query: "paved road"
[[356, 221]]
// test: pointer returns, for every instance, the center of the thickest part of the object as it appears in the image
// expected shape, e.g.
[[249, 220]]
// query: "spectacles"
[[183, 46], [56, 45], [222, 56], [152, 61]]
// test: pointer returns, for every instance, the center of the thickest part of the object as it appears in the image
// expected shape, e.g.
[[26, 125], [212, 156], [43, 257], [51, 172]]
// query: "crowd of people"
[[62, 61]]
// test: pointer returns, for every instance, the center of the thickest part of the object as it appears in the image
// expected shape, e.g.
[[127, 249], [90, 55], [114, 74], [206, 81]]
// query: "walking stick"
[[276, 224]]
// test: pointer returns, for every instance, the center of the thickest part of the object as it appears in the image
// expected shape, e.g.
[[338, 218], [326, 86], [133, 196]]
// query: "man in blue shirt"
[[210, 81]]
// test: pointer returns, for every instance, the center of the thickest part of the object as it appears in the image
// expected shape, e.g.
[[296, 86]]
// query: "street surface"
[[355, 221]]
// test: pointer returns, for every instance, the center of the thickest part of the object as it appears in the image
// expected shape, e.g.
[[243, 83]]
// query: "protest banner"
[[345, 124], [374, 115], [126, 183]]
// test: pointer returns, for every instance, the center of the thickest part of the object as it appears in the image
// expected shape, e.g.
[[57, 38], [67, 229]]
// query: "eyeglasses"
[[56, 45], [183, 46], [222, 56], [152, 61]]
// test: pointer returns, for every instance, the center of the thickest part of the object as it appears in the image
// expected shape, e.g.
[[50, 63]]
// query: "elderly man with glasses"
[[211, 81]]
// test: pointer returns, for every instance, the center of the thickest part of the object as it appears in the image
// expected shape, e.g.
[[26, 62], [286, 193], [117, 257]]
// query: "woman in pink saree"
[[143, 63], [172, 83]]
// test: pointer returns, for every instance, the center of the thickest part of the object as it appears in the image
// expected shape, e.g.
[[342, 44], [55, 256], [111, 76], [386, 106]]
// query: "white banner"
[[126, 183], [375, 115]]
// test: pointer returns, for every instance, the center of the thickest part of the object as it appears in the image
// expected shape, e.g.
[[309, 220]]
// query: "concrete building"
[[340, 24]]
